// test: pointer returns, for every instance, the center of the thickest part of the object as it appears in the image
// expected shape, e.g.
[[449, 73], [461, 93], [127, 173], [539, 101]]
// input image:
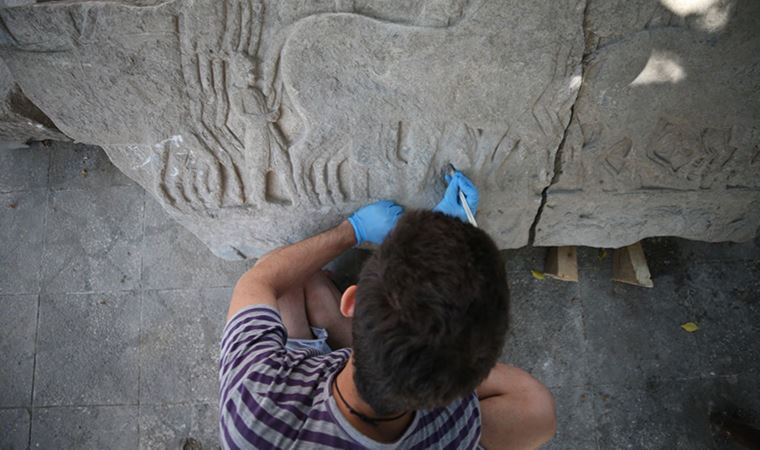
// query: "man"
[[418, 337]]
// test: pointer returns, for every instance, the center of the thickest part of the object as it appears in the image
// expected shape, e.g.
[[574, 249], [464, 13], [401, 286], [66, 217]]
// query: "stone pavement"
[[110, 316]]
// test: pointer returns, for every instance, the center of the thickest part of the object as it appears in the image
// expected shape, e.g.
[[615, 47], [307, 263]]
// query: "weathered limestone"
[[665, 135], [258, 122], [20, 120]]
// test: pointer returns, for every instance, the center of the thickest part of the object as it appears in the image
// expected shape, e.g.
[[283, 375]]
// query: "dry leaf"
[[690, 327]]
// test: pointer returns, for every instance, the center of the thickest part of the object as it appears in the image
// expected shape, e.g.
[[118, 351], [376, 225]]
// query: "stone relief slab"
[[256, 123], [665, 134]]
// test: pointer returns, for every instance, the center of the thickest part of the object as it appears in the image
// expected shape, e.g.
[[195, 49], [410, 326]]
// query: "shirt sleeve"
[[253, 341]]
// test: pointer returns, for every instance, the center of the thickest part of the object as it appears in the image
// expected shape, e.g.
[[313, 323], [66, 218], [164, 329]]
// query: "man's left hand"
[[374, 221]]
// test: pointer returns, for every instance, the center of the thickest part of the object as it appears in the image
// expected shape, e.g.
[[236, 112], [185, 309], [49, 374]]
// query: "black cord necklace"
[[374, 421]]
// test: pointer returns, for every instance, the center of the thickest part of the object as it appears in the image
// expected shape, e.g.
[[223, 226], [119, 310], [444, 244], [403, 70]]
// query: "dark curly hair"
[[431, 314]]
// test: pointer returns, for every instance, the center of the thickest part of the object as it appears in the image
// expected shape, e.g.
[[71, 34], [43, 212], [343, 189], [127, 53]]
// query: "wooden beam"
[[629, 265], [562, 264]]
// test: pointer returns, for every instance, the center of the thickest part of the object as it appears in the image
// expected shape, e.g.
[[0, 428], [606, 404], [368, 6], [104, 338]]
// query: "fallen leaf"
[[537, 275], [602, 254], [690, 327]]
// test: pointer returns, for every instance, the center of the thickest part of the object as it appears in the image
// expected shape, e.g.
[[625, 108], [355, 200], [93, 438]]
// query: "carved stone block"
[[257, 123], [665, 134]]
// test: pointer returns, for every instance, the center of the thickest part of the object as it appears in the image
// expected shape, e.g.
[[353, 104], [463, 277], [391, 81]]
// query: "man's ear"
[[347, 301]]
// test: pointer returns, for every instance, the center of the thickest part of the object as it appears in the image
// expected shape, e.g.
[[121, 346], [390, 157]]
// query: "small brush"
[[463, 200]]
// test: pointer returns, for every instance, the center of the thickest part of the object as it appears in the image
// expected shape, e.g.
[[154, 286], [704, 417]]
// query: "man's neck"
[[384, 432]]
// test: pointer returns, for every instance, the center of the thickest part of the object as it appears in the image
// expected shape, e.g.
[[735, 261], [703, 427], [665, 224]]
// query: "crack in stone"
[[587, 50]]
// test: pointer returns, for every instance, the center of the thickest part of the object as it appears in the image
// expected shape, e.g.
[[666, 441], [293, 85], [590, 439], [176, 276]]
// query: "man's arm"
[[289, 266], [517, 411], [292, 265]]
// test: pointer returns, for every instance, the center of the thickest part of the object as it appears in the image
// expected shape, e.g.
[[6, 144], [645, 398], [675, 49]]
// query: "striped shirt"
[[272, 397]]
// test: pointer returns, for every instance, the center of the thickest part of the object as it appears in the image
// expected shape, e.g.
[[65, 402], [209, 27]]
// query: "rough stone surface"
[[18, 324], [270, 124], [14, 428], [664, 138], [22, 226], [192, 321], [86, 249], [20, 120], [113, 427], [588, 122], [93, 339], [191, 426]]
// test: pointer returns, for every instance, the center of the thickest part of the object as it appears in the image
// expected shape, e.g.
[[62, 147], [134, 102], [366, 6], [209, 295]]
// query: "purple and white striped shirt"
[[272, 397]]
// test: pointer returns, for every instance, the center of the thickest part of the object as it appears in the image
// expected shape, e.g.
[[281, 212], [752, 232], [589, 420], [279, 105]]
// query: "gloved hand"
[[450, 204], [374, 221]]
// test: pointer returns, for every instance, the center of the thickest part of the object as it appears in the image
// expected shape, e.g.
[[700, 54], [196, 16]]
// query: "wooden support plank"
[[562, 264], [629, 265]]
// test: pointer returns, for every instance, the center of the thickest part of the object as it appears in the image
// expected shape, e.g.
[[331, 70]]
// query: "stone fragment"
[[20, 120], [665, 134], [256, 123]]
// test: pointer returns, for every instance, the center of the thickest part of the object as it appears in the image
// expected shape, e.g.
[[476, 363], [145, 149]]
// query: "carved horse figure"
[[366, 88]]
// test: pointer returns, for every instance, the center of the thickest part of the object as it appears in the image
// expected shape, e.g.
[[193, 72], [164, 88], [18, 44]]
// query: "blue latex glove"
[[374, 221], [450, 204]]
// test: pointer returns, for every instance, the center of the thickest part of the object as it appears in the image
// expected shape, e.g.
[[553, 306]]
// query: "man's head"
[[430, 315]]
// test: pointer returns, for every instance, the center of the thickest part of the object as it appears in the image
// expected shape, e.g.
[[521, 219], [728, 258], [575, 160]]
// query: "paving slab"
[[22, 231], [524, 259], [14, 428], [546, 336], [93, 240], [79, 166], [671, 414], [736, 397], [635, 333], [179, 346], [91, 427], [87, 349], [724, 301], [175, 258], [18, 324], [193, 426], [576, 424], [24, 168]]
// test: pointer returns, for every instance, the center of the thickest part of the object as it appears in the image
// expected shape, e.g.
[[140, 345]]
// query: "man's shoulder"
[[457, 424], [283, 401]]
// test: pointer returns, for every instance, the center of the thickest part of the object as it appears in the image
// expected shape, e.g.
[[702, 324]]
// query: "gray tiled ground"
[[14, 428], [110, 316], [172, 426], [18, 325], [93, 239], [93, 339], [24, 168], [82, 166], [22, 223], [546, 336], [92, 427], [179, 348]]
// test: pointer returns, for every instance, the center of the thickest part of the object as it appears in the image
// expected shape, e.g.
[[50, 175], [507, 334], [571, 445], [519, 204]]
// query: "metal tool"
[[463, 200]]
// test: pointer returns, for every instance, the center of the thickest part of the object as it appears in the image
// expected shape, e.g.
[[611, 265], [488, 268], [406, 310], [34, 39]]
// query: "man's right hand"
[[450, 204], [374, 221]]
